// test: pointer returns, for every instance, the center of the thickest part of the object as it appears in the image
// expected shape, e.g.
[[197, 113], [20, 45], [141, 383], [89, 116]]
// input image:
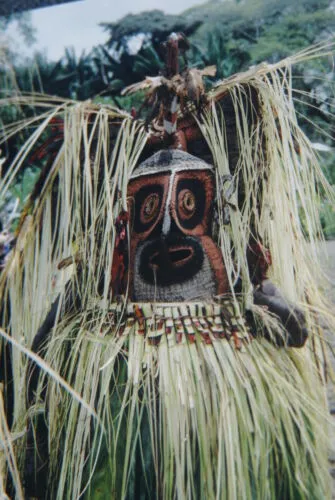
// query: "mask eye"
[[150, 207], [186, 203]]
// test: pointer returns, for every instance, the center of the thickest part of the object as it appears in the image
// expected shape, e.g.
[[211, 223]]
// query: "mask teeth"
[[181, 324]]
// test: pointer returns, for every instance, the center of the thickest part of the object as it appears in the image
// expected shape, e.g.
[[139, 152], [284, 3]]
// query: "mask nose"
[[170, 229], [167, 217], [167, 222], [170, 260]]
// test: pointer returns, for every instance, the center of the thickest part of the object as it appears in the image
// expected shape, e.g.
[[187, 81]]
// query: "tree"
[[154, 23], [24, 23]]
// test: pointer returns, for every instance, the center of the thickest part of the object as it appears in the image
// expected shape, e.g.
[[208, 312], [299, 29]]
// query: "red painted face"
[[182, 199], [172, 254]]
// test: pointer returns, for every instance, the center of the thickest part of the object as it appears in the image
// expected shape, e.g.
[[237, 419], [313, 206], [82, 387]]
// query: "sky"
[[76, 24]]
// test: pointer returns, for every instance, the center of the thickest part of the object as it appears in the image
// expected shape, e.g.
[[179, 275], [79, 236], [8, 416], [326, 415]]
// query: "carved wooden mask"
[[172, 254]]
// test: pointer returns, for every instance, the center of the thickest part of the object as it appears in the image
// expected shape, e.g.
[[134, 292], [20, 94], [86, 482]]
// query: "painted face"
[[172, 254]]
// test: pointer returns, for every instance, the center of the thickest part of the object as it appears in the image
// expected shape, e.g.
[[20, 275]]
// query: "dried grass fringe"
[[226, 424]]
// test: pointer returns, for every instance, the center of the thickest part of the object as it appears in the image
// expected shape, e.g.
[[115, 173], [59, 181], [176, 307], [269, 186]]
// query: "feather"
[[150, 83], [208, 71]]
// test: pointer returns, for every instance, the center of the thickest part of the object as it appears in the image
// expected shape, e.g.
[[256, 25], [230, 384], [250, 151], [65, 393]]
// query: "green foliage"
[[327, 218], [71, 76], [124, 68], [13, 203], [266, 29], [25, 184], [147, 60], [25, 27], [126, 102], [327, 215], [148, 31], [328, 165], [155, 23], [298, 31], [231, 35], [226, 54]]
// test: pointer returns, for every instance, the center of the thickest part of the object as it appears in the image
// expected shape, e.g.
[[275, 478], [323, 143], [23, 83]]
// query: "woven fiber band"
[[180, 323]]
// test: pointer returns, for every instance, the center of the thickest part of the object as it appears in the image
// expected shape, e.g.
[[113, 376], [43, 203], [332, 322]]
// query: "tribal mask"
[[172, 254]]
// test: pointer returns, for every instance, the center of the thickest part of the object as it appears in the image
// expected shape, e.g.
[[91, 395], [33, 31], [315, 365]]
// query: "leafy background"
[[233, 35]]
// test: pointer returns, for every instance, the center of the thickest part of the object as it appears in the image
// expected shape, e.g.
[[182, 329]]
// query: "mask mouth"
[[175, 256], [172, 260]]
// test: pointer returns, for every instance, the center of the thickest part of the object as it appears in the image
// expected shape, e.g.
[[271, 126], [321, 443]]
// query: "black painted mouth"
[[178, 256], [172, 260]]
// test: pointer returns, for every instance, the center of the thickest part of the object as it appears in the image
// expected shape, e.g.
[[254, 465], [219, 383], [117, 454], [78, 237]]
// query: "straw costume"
[[169, 298]]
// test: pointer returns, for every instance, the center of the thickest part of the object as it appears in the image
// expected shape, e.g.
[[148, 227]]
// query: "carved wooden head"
[[172, 254]]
